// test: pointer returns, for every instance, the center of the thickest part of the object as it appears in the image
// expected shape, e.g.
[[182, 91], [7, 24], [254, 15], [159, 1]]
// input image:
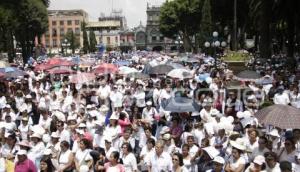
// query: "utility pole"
[[235, 26]]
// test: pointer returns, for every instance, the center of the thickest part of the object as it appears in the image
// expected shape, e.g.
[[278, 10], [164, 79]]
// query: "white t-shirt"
[[236, 164], [129, 162]]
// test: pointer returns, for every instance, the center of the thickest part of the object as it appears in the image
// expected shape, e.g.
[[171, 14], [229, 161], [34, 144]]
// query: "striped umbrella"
[[282, 116]]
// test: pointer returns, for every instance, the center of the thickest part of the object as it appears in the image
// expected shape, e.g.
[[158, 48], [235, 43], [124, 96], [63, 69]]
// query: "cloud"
[[134, 10]]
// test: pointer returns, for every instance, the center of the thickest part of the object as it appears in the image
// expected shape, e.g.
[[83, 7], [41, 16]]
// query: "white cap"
[[54, 135], [108, 139], [89, 106], [104, 108], [28, 96], [82, 125], [47, 152], [211, 151], [36, 135], [167, 136], [259, 159], [149, 103], [22, 152], [7, 106], [219, 160], [113, 116], [274, 133], [71, 118], [81, 132]]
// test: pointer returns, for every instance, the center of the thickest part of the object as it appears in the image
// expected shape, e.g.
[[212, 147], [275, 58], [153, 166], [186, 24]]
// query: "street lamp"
[[215, 43], [65, 45]]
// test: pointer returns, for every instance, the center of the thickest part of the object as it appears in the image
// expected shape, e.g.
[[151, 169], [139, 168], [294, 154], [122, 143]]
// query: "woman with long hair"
[[46, 165]]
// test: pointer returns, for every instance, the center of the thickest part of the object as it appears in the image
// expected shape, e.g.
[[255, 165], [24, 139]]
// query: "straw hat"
[[211, 151], [24, 143], [238, 144]]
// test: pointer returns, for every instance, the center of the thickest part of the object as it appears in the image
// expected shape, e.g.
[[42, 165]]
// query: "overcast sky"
[[134, 10]]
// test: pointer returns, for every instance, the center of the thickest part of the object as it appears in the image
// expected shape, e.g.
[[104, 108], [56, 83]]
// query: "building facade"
[[140, 37], [108, 28], [154, 39], [60, 23]]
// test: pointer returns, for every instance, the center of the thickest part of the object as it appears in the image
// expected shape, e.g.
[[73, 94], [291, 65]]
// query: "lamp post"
[[65, 45], [215, 43]]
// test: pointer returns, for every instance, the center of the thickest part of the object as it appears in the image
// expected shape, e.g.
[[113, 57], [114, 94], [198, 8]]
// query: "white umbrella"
[[180, 74], [126, 70]]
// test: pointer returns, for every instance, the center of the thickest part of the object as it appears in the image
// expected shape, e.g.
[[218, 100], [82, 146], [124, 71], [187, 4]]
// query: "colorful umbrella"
[[282, 116], [61, 71], [81, 78], [106, 68]]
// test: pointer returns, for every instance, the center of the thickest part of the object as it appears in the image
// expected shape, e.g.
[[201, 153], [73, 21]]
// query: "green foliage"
[[206, 23], [180, 18], [93, 42], [85, 38], [24, 20], [73, 40]]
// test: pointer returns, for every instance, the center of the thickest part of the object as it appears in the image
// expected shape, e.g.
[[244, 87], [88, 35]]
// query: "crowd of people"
[[118, 124]]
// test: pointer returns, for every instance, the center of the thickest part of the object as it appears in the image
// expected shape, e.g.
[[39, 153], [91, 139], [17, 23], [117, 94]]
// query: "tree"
[[93, 42], [85, 38], [181, 18], [206, 23], [73, 40]]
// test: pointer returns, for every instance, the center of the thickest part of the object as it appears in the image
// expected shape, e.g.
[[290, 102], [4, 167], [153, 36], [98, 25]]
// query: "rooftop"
[[78, 12], [104, 23]]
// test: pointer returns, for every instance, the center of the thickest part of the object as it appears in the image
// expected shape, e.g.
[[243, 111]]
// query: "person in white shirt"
[[37, 149], [159, 160], [2, 101], [271, 164], [128, 158], [295, 98], [281, 98], [115, 97], [139, 96]]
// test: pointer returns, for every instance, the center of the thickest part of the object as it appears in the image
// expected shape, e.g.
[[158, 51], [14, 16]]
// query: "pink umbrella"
[[61, 71], [81, 78], [106, 68]]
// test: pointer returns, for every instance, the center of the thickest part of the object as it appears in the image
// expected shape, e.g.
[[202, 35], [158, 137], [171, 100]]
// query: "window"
[[69, 22], [116, 39], [62, 31], [77, 31], [77, 22], [161, 38], [54, 32], [153, 38], [47, 43], [53, 23], [54, 43], [108, 40], [70, 30], [61, 22]]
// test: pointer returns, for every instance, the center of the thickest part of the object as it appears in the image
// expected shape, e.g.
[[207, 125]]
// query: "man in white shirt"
[[159, 160], [281, 98]]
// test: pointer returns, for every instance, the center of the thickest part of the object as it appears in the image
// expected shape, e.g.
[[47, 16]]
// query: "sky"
[[134, 10]]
